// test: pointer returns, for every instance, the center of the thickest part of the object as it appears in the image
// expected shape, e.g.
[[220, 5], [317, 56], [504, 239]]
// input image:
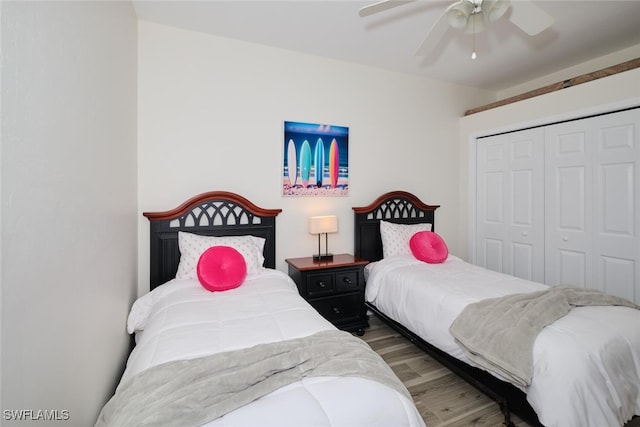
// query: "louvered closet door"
[[510, 204], [592, 203]]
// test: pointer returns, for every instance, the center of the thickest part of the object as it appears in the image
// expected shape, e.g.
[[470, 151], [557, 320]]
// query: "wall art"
[[316, 160]]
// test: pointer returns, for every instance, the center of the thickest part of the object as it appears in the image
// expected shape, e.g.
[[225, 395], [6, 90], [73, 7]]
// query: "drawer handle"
[[347, 280], [321, 284]]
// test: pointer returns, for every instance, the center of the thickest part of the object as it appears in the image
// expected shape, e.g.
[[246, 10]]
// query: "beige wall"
[[68, 245], [210, 118]]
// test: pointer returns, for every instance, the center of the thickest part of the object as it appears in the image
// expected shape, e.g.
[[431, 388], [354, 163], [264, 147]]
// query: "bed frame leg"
[[504, 408]]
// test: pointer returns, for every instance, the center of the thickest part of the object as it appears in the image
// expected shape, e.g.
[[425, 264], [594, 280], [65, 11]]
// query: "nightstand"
[[334, 288]]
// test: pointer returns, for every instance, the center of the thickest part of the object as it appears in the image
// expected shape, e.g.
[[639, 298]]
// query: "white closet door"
[[510, 204], [592, 200], [616, 243], [568, 204], [491, 224]]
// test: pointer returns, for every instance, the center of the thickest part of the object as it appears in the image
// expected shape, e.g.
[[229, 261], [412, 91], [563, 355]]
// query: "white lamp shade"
[[323, 224]]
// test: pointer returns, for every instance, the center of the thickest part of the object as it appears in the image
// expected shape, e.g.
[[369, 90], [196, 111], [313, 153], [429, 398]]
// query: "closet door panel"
[[493, 254], [619, 276], [592, 198], [617, 204], [526, 217], [567, 204], [523, 260], [492, 229], [510, 198], [522, 222], [570, 268]]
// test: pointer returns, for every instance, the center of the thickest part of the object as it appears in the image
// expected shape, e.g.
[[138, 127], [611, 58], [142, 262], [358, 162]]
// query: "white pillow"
[[395, 237], [193, 245]]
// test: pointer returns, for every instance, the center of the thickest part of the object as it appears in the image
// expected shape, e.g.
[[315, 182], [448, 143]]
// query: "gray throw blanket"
[[498, 333], [193, 392]]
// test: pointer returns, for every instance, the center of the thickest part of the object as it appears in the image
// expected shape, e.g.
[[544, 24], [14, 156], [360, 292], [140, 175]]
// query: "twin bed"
[[585, 365], [261, 355], [256, 355]]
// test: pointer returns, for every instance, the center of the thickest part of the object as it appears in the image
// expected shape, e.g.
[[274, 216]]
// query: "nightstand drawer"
[[338, 309], [347, 281], [335, 288], [319, 284]]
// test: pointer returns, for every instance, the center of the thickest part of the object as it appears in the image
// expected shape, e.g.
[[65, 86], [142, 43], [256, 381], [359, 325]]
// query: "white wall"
[[596, 64], [69, 203], [606, 94], [210, 118]]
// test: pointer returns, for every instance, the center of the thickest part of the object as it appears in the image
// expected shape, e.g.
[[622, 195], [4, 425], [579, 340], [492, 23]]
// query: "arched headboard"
[[397, 206], [215, 213]]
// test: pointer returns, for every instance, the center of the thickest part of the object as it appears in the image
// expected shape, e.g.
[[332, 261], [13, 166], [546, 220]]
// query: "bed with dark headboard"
[[430, 296], [402, 207], [398, 207], [240, 354], [215, 213]]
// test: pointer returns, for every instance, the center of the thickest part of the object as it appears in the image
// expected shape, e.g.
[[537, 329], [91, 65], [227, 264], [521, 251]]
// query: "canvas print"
[[316, 160]]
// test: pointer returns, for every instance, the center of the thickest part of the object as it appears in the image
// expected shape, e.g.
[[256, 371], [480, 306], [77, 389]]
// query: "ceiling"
[[332, 28]]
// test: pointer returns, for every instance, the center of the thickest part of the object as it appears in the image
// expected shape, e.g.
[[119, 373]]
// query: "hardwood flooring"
[[443, 398]]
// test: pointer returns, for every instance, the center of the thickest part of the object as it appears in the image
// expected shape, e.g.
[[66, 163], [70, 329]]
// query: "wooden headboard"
[[397, 206], [216, 213]]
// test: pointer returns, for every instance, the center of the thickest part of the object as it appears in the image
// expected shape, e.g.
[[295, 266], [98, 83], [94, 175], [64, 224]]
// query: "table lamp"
[[323, 225]]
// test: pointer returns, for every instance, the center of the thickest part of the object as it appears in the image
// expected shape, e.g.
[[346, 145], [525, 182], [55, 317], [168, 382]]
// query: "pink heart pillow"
[[221, 268], [429, 247]]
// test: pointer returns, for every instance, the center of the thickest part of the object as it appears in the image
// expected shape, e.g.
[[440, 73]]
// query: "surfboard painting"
[[318, 163], [292, 163], [334, 163], [313, 166], [305, 163]]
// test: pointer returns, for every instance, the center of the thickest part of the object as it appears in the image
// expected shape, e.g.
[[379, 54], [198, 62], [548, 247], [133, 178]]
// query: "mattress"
[[586, 365], [180, 320]]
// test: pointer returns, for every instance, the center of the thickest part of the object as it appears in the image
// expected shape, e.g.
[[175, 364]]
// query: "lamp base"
[[323, 257]]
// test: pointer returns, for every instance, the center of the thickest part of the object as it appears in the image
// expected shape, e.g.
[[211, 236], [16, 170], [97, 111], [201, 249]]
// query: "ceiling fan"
[[472, 16]]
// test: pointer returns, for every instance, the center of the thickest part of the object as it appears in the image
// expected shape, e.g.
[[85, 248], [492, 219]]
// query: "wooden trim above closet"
[[584, 78]]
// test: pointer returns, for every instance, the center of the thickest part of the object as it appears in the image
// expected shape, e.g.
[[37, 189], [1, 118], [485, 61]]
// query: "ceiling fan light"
[[458, 13], [495, 9]]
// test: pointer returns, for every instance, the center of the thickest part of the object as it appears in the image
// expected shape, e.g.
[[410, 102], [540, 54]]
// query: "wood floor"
[[443, 399]]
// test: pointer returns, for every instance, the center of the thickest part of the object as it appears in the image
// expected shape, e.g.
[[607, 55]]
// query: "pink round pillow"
[[221, 268], [429, 247]]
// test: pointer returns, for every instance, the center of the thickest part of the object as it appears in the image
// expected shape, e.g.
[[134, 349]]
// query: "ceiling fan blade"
[[434, 36], [381, 6], [529, 17]]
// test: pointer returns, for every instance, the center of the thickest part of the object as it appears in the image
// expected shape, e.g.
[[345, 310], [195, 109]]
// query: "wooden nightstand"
[[334, 288]]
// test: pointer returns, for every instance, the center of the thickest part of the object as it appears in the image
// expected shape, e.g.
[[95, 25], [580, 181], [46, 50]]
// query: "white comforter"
[[181, 320], [586, 365]]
